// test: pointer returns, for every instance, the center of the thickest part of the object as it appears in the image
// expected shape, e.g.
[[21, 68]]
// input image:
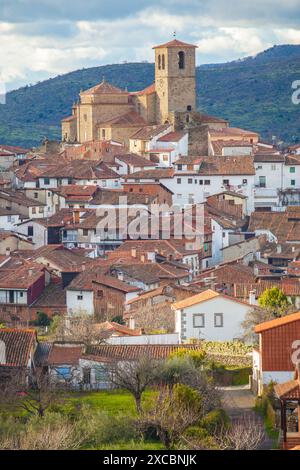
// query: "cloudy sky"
[[44, 38]]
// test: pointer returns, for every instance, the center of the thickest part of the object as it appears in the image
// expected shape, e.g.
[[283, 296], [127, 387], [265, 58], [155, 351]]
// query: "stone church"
[[106, 112]]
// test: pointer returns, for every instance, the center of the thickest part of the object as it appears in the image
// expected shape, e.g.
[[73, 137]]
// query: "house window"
[[36, 195], [163, 62], [201, 182], [219, 321], [85, 232], [198, 320], [100, 294], [103, 133], [30, 231], [79, 297], [207, 182], [181, 60], [179, 167], [293, 182], [178, 180], [189, 107], [226, 182], [69, 180], [262, 181], [190, 180], [46, 180], [159, 62], [273, 167], [292, 169]]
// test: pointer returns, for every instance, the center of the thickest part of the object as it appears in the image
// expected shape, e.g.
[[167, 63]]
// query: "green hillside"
[[254, 93]]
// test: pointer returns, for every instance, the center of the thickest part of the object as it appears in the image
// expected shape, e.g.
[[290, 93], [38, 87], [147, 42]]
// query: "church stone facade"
[[106, 112]]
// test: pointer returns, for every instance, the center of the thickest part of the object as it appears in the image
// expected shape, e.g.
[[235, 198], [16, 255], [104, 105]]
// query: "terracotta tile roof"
[[284, 226], [19, 344], [148, 132], [262, 157], [131, 119], [19, 197], [87, 279], [219, 145], [122, 330], [231, 131], [156, 174], [146, 91], [115, 198], [172, 137], [288, 390], [293, 317], [207, 118], [195, 299], [133, 352], [53, 296], [14, 149], [80, 170], [69, 119], [76, 190], [235, 165], [23, 277], [292, 160], [64, 259], [150, 273], [175, 43], [104, 88], [61, 354], [134, 160], [228, 274], [202, 297]]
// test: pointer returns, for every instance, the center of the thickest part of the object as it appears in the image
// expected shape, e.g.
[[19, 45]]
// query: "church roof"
[[130, 119], [175, 43], [104, 88]]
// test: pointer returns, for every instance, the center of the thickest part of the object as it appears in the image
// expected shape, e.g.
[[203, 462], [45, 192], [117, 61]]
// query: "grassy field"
[[117, 409]]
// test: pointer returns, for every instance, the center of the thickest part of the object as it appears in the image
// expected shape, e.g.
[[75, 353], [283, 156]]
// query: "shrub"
[[215, 420]]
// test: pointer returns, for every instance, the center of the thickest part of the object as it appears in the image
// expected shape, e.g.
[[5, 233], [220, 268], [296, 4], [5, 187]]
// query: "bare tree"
[[172, 413], [34, 397], [254, 317], [81, 327], [156, 317], [134, 376], [245, 433]]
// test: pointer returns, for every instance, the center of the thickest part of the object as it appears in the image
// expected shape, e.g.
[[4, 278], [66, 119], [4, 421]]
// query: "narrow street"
[[239, 401]]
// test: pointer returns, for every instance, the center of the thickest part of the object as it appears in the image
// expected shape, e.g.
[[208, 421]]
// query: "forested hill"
[[254, 93]]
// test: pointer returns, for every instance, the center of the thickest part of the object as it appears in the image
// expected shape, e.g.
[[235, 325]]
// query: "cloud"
[[41, 38]]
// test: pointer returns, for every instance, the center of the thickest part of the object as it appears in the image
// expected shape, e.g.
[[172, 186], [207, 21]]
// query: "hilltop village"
[[68, 252]]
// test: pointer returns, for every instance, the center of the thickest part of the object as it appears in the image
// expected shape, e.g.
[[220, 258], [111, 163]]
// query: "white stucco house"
[[211, 316]]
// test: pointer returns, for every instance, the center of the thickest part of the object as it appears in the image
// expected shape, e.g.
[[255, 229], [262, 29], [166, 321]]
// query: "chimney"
[[133, 252], [7, 251], [131, 323], [30, 272], [75, 217], [293, 249], [252, 297], [278, 249]]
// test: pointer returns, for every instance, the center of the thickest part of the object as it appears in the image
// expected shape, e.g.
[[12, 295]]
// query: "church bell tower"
[[175, 78]]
